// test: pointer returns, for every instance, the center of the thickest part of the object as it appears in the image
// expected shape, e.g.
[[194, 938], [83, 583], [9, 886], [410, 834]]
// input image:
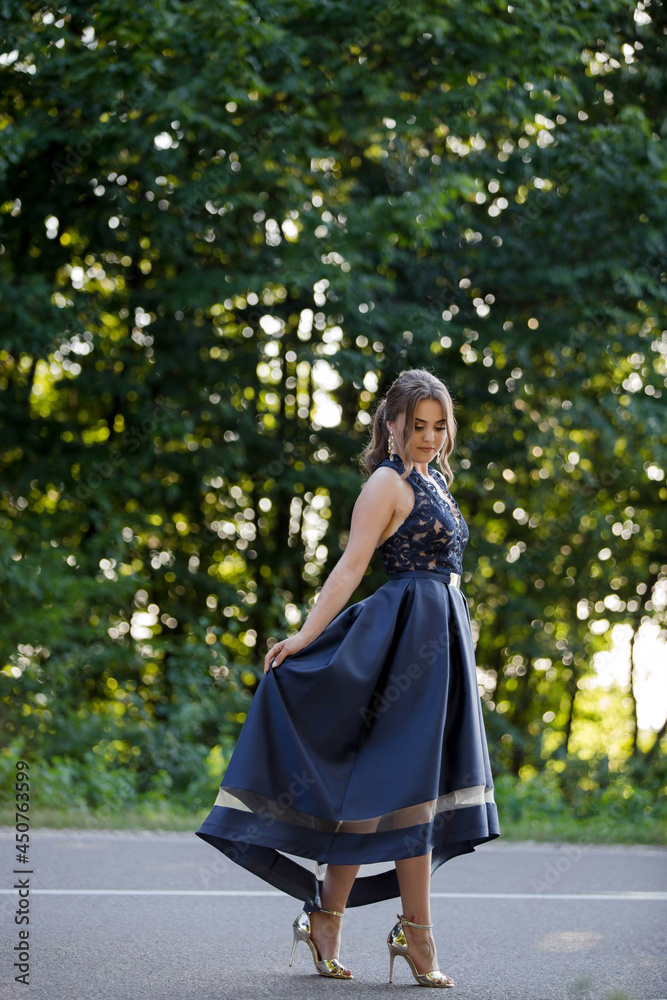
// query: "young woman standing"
[[362, 765]]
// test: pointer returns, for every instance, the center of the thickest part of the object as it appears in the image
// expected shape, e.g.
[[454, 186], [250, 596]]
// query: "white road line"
[[629, 894]]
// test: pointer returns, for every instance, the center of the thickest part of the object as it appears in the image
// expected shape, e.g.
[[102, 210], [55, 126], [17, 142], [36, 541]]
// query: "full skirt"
[[366, 747]]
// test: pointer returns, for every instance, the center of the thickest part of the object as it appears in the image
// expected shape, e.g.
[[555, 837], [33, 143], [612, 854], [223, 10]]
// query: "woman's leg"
[[326, 927], [414, 879]]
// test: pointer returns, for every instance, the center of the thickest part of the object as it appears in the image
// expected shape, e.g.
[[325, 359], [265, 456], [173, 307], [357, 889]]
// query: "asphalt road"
[[127, 916]]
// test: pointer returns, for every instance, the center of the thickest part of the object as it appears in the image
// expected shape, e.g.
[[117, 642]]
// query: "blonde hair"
[[402, 396]]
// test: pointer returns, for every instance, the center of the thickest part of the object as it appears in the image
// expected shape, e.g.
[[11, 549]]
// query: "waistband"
[[447, 576]]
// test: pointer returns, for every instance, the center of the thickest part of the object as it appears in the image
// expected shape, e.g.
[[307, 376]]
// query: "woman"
[[362, 764]]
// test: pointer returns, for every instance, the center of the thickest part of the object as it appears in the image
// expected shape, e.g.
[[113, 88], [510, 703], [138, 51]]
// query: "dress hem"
[[294, 880], [266, 861]]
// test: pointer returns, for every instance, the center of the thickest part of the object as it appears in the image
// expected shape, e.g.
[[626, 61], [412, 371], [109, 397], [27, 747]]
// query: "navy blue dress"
[[368, 745]]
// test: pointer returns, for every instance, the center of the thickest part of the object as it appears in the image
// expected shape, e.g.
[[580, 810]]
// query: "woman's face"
[[429, 430]]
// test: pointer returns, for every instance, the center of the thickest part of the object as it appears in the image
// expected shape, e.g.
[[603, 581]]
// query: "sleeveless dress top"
[[433, 535]]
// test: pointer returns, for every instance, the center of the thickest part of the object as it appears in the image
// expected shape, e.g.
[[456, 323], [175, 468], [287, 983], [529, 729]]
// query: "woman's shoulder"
[[391, 463], [388, 476]]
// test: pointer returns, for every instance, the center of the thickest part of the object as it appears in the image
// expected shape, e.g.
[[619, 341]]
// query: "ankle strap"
[[404, 920], [336, 912]]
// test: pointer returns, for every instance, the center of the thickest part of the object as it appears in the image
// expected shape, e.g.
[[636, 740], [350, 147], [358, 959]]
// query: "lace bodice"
[[433, 535]]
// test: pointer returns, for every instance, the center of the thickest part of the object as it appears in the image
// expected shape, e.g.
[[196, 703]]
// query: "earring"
[[390, 445]]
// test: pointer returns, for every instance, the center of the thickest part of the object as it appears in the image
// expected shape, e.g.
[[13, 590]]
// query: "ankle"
[[418, 921], [327, 923], [336, 916], [419, 937], [418, 933]]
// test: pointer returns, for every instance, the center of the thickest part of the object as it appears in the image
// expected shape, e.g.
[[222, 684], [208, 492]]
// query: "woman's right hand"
[[283, 648]]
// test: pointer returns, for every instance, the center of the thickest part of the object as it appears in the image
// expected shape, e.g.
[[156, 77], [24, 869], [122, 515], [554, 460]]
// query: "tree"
[[211, 208]]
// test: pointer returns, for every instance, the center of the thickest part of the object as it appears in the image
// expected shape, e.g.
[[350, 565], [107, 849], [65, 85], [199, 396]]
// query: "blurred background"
[[225, 228]]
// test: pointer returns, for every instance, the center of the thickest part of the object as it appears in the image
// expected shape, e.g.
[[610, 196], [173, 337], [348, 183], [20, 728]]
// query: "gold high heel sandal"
[[325, 966], [398, 945]]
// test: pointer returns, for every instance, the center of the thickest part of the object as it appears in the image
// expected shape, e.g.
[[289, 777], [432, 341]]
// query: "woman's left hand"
[[283, 648]]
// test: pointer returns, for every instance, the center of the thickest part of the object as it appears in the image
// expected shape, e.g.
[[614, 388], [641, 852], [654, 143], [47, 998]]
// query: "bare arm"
[[372, 513]]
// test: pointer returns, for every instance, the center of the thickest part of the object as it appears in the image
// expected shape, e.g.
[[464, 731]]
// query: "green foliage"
[[211, 209], [587, 801]]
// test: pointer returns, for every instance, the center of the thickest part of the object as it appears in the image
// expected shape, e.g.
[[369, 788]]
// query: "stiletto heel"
[[398, 945], [325, 966]]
